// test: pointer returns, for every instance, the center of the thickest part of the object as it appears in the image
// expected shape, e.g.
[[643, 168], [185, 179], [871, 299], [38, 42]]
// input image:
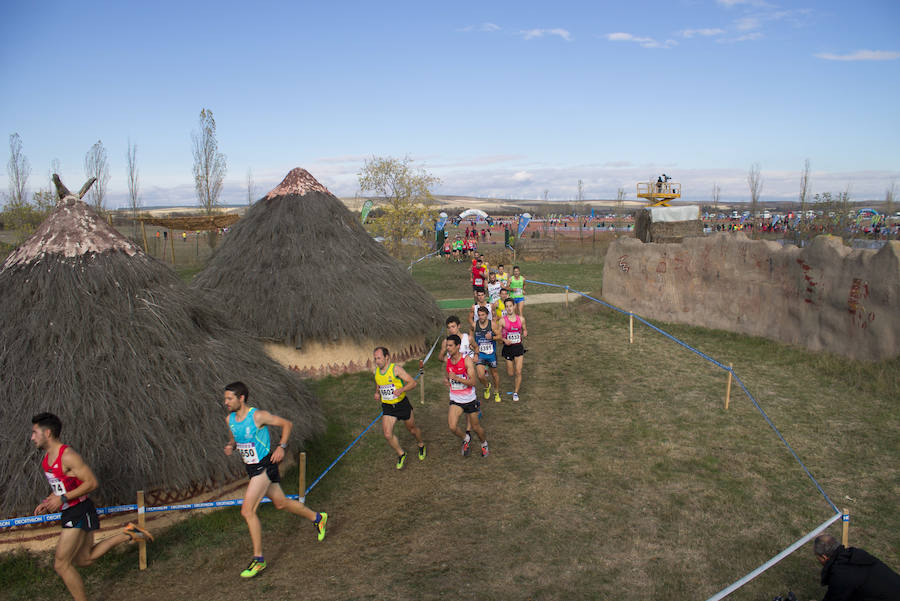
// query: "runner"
[[486, 332], [248, 427], [513, 334], [500, 306], [71, 480], [479, 275], [447, 249], [391, 385], [453, 330], [493, 287], [457, 248], [471, 245], [460, 378], [517, 290], [502, 276], [480, 301]]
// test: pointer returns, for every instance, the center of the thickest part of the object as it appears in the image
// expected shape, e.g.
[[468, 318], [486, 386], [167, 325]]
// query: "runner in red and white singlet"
[[460, 379]]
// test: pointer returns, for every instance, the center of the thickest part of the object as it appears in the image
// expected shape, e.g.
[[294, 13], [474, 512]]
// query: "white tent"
[[473, 213]]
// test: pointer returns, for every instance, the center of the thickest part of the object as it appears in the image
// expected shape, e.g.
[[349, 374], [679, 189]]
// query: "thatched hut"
[[130, 358], [300, 271]]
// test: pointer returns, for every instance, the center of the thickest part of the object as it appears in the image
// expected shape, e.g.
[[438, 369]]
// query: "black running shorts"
[[470, 407], [511, 351], [266, 465], [82, 516], [402, 410]]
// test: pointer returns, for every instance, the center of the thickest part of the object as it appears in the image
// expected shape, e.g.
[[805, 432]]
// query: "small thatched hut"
[[132, 361], [300, 271]]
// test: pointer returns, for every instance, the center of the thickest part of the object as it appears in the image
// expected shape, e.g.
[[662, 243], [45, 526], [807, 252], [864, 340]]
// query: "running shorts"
[[82, 516], [511, 351], [402, 410], [470, 407], [488, 360], [265, 466]]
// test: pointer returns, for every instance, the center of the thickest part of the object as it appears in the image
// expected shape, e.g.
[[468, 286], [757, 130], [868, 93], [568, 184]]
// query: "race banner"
[[524, 219], [367, 206], [442, 221]]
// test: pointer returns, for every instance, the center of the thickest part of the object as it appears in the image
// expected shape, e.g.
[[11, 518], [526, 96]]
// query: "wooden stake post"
[[631, 328], [172, 242], [142, 522], [567, 297], [302, 490], [421, 382], [144, 234], [728, 388], [845, 527]]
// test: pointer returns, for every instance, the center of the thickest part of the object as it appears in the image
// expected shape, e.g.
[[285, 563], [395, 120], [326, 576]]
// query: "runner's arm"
[[524, 329], [231, 445], [73, 465], [270, 419], [408, 381]]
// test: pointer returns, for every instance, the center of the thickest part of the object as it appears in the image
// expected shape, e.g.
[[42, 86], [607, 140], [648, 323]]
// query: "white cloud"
[[747, 23], [741, 38], [732, 3], [530, 34], [645, 42], [521, 176], [485, 27], [861, 55], [689, 33]]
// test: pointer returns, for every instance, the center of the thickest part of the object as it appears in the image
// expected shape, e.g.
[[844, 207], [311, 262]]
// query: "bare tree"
[[620, 208], [209, 166], [96, 165], [546, 195], [134, 183], [580, 197], [251, 193], [716, 192], [755, 182], [18, 169], [804, 187]]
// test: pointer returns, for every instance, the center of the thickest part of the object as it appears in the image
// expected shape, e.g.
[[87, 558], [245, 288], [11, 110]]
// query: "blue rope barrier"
[[344, 452], [422, 259]]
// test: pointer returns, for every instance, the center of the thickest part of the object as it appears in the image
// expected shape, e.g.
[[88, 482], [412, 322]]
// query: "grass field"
[[618, 476]]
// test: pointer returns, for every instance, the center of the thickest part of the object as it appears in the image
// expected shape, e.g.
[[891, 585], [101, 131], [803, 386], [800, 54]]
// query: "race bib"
[[247, 451], [514, 337], [57, 487], [454, 385], [486, 348], [479, 281], [387, 392]]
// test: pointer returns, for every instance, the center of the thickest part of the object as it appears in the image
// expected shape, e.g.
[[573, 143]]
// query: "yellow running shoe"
[[253, 569], [487, 392], [320, 526], [497, 397]]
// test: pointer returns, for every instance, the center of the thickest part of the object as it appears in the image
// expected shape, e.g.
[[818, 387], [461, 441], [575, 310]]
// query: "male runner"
[[502, 276], [391, 385], [446, 249], [457, 248], [478, 275], [249, 431], [480, 301], [460, 378], [71, 479], [493, 287], [499, 307], [513, 333], [517, 290], [486, 333], [453, 330]]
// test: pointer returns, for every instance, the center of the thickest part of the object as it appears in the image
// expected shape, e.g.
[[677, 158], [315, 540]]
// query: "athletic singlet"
[[60, 483], [516, 285], [512, 330], [485, 344], [493, 290], [387, 383], [477, 275], [253, 442], [503, 278], [486, 306], [447, 247], [459, 393]]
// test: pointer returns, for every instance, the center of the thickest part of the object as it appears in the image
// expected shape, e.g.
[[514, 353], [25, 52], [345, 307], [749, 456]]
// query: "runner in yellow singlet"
[[391, 385]]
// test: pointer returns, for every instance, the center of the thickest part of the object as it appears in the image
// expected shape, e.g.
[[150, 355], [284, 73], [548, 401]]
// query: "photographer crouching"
[[854, 575]]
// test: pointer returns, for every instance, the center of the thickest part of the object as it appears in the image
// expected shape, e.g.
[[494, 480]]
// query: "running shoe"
[[320, 526], [497, 397], [487, 392], [253, 569], [465, 445], [400, 461], [515, 396], [136, 533], [422, 453], [484, 449]]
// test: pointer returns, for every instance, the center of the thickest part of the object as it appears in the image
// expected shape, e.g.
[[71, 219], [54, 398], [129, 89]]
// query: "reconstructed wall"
[[825, 296]]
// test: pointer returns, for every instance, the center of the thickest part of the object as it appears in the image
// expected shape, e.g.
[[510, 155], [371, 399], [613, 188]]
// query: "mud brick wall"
[[826, 297]]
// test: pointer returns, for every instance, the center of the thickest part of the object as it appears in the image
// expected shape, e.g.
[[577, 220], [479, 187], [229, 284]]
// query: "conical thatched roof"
[[299, 267], [132, 361]]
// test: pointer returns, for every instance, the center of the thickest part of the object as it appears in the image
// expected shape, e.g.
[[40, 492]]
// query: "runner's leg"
[[70, 542], [280, 501], [387, 427], [414, 429], [453, 420], [475, 425], [256, 490], [518, 363]]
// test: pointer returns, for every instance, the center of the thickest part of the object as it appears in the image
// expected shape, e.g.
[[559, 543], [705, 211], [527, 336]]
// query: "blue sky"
[[499, 99]]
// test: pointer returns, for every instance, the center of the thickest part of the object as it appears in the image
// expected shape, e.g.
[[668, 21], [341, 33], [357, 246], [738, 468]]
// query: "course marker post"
[[302, 465], [728, 388], [567, 297], [172, 240], [845, 527], [630, 328], [144, 235], [142, 520], [421, 382]]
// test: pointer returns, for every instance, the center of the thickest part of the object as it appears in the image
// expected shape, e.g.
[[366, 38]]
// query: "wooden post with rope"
[[142, 522], [144, 235], [421, 382], [172, 241], [301, 492], [728, 388], [630, 328], [845, 527], [567, 297]]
